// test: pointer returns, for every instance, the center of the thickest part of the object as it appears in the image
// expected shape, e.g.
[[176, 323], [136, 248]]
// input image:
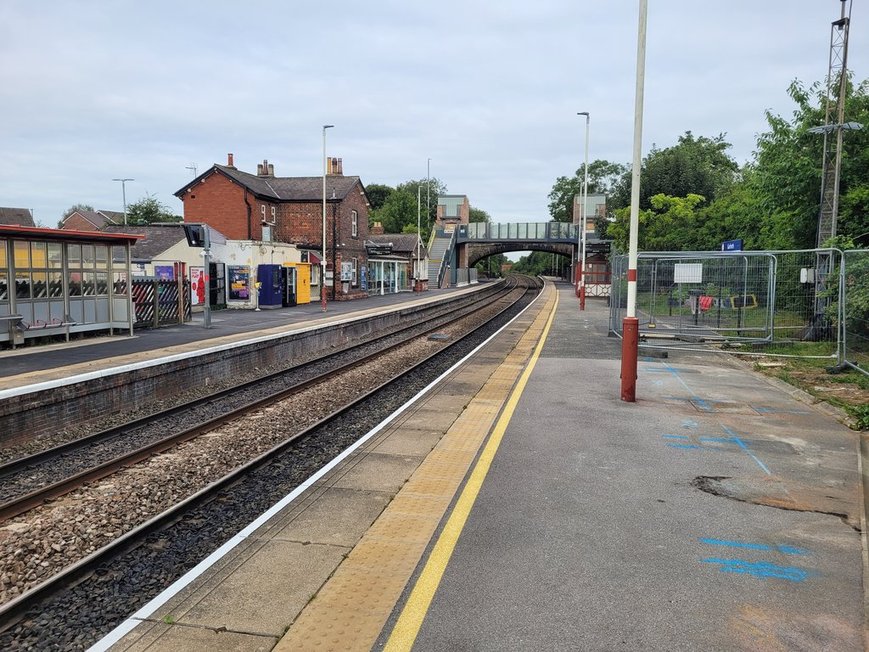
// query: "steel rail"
[[33, 499], [12, 611]]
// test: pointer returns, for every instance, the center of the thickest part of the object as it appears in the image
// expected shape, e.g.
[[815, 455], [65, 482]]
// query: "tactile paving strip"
[[350, 610]]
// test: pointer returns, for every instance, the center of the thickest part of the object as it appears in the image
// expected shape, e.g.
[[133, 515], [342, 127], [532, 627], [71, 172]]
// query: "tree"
[[479, 215], [788, 164], [693, 166], [669, 225], [399, 209], [72, 209], [602, 178], [149, 211], [377, 194]]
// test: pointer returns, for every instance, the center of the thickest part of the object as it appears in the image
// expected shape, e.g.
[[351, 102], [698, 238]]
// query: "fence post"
[[156, 304]]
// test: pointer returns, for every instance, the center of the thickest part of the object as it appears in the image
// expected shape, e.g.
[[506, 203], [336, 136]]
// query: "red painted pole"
[[630, 347], [582, 297]]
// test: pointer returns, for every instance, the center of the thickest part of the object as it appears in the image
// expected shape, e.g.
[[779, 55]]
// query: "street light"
[[582, 226], [630, 324], [418, 234], [323, 259], [124, 194]]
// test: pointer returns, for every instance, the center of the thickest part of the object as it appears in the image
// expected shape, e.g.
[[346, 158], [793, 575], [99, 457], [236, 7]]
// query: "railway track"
[[122, 575], [35, 479]]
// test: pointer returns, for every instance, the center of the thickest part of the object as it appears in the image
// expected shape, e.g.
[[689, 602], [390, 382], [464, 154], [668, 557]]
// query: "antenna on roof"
[[192, 166]]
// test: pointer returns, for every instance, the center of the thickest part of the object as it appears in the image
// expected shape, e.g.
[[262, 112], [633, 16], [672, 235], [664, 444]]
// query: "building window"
[[273, 215], [355, 281], [354, 224]]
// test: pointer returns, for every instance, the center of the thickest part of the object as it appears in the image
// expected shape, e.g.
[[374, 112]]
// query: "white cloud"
[[488, 91]]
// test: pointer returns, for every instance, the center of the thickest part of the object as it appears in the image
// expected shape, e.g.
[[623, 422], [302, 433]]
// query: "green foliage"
[[602, 177], [670, 224], [377, 194], [479, 215], [399, 207], [540, 262], [491, 266], [149, 211], [693, 166]]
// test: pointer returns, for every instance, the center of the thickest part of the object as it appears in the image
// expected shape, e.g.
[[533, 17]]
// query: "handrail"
[[448, 250]]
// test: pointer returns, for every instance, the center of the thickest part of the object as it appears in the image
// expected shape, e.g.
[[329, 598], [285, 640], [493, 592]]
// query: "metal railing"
[[518, 231], [758, 301]]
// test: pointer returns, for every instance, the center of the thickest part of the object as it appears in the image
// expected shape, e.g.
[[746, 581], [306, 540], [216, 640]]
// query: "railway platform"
[[47, 362], [518, 504]]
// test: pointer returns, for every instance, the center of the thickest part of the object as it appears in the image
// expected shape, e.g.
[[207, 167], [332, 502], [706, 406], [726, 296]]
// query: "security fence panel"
[[765, 301], [855, 297]]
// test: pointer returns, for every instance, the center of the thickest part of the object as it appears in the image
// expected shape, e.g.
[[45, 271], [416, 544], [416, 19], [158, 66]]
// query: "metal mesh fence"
[[771, 302], [855, 331]]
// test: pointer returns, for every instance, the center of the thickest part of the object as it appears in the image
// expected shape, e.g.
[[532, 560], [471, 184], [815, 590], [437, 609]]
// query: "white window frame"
[[354, 224], [355, 281]]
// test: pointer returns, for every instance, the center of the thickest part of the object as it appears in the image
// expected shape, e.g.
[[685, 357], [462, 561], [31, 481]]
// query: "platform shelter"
[[60, 282]]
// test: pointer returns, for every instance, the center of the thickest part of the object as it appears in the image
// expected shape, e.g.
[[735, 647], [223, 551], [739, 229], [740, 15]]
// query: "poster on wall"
[[164, 272], [239, 282], [363, 277], [197, 286]]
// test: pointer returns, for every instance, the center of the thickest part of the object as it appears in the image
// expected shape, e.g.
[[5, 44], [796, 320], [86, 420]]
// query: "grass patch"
[[847, 389]]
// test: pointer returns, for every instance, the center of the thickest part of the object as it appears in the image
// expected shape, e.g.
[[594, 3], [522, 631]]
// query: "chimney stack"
[[259, 169], [265, 169], [229, 162], [271, 170], [376, 229], [334, 166]]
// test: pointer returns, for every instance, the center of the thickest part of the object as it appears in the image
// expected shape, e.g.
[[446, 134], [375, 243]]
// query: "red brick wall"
[[220, 203], [76, 222]]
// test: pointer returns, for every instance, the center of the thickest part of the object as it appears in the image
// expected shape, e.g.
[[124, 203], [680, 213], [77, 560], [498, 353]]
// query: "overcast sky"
[[489, 91]]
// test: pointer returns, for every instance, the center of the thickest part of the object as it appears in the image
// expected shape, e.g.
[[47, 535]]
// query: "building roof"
[[286, 189], [156, 238], [39, 233], [16, 216], [401, 242], [100, 219]]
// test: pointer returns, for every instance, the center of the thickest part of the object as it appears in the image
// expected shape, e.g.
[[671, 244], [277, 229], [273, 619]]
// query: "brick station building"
[[265, 207]]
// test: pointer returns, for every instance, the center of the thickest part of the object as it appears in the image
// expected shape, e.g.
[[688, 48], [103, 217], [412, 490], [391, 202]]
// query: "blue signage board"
[[731, 245]]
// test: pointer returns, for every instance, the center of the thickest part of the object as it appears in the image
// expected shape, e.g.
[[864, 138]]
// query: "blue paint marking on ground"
[[717, 440], [784, 549], [771, 410], [760, 569], [742, 445], [669, 436], [736, 544], [683, 445], [792, 550]]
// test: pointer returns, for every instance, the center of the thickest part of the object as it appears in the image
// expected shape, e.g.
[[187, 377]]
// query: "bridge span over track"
[[471, 243]]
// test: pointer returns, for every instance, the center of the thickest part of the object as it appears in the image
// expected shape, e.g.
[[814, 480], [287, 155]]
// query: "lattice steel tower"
[[837, 77]]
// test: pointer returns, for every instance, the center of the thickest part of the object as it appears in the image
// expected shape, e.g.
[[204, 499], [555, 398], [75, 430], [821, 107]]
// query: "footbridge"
[[454, 253]]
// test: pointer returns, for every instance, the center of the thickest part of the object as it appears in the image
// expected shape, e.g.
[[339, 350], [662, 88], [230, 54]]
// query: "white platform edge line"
[[185, 580], [145, 364]]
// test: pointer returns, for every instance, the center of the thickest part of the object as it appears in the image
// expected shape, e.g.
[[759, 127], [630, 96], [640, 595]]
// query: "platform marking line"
[[410, 620], [745, 448], [190, 576]]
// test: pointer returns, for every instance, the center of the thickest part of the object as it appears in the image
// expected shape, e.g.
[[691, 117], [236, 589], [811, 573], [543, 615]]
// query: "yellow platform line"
[[351, 608], [409, 622]]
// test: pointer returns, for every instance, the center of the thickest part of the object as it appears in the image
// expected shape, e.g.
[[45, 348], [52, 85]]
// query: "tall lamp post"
[[323, 258], [630, 324], [124, 194], [584, 218], [418, 237]]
